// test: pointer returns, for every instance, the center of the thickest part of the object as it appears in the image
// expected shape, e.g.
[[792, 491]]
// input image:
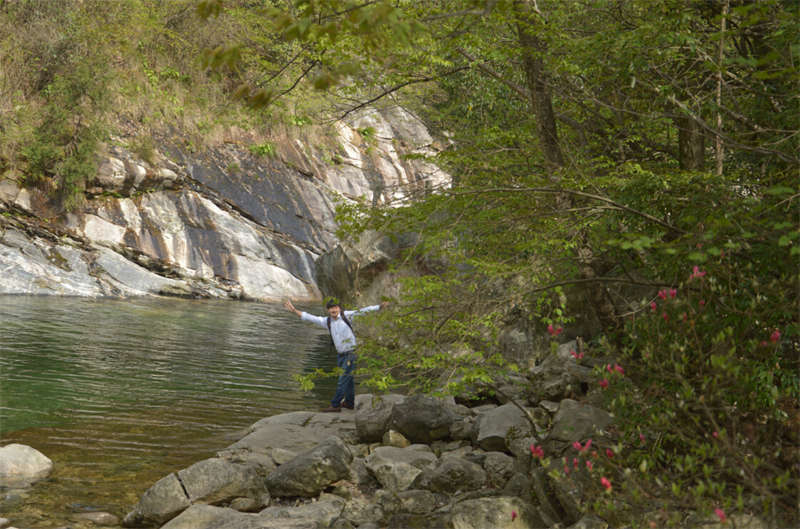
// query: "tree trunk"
[[537, 81], [691, 144]]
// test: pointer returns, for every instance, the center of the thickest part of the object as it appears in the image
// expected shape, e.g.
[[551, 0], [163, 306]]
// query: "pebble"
[[99, 518]]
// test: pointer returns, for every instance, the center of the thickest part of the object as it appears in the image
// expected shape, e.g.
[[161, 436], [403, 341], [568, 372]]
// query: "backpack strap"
[[328, 321]]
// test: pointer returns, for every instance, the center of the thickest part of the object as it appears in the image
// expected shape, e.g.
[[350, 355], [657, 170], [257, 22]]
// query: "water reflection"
[[119, 393]]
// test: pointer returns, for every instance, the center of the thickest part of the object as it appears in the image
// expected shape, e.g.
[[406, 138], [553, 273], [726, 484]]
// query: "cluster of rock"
[[394, 462]]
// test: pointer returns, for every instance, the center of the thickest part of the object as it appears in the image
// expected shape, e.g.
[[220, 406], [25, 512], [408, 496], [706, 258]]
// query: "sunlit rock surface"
[[219, 223]]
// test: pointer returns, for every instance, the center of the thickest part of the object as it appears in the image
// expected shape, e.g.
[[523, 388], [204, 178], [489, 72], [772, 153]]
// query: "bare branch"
[[398, 87], [600, 198], [482, 66]]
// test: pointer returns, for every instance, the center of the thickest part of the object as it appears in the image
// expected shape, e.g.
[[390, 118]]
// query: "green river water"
[[119, 393]]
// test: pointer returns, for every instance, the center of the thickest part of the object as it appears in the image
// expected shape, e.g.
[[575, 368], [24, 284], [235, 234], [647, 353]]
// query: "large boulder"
[[374, 415], [575, 421], [423, 419], [323, 512], [397, 468], [311, 472], [160, 503], [210, 481], [217, 480], [495, 428], [22, 465], [559, 376], [501, 512], [273, 438], [499, 468], [452, 474], [316, 515]]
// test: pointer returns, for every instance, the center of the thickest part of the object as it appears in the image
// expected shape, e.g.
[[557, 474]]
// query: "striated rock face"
[[219, 223]]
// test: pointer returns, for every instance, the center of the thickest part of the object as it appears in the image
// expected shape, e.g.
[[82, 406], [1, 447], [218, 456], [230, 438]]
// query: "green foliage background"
[[604, 154]]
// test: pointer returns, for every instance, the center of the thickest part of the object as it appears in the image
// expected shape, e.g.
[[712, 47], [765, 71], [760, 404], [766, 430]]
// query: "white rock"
[[111, 174], [21, 465]]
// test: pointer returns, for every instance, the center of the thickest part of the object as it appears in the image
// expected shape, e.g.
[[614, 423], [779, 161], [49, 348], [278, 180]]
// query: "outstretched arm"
[[322, 321], [291, 308], [364, 310]]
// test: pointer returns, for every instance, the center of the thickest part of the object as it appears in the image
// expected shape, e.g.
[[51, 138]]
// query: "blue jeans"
[[345, 386]]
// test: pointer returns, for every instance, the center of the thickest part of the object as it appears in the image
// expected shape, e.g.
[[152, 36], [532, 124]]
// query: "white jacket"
[[343, 338]]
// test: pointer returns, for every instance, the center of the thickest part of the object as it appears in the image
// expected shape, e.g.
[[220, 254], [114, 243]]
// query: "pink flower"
[[575, 463], [641, 438], [684, 317], [576, 356], [537, 452], [577, 445], [587, 446], [721, 515], [775, 336], [604, 383], [609, 453], [697, 273], [513, 515], [715, 434], [662, 294], [665, 316], [609, 368], [554, 331], [653, 306], [606, 483], [589, 465], [618, 369], [566, 470], [673, 293], [702, 303]]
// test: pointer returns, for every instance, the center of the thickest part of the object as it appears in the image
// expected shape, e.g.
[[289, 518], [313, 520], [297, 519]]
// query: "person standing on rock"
[[344, 340]]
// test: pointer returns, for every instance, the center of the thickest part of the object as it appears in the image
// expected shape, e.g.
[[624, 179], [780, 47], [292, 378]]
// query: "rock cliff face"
[[222, 223]]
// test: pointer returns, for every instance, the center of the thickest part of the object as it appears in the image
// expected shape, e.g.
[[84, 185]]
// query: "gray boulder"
[[495, 428], [423, 419], [311, 472], [420, 501], [160, 503], [575, 421], [502, 512], [211, 481], [374, 415], [97, 518], [559, 376], [499, 468], [361, 510], [317, 515], [201, 516], [323, 512], [269, 439], [217, 480], [452, 475], [22, 465], [397, 468]]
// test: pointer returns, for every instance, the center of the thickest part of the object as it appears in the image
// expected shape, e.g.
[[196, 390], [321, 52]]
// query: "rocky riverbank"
[[402, 462], [394, 461]]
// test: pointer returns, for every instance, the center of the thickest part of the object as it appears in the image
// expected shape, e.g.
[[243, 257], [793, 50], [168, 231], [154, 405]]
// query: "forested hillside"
[[625, 172]]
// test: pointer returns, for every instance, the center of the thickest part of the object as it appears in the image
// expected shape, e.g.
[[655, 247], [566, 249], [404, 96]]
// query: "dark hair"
[[332, 303]]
